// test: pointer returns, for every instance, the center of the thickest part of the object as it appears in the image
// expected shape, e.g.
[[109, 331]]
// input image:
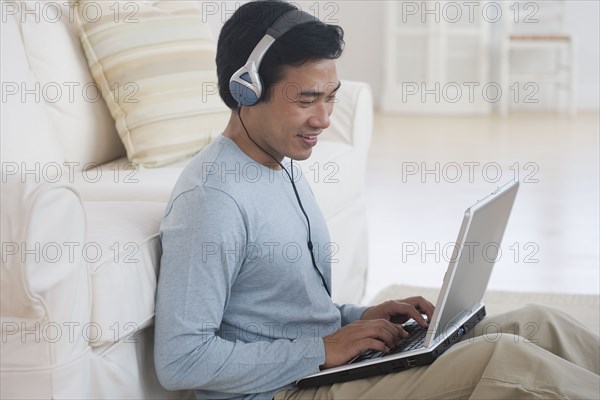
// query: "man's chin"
[[304, 155]]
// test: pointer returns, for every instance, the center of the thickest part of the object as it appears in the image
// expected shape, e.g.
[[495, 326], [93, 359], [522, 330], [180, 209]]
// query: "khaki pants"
[[533, 352]]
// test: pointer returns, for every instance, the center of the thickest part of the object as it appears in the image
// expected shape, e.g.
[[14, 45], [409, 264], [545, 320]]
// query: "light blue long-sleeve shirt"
[[240, 309]]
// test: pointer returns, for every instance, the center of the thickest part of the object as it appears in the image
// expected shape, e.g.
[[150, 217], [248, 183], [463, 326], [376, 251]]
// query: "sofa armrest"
[[45, 296], [352, 118]]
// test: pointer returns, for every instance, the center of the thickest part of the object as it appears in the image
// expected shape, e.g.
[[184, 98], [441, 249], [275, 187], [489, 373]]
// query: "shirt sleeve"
[[350, 312], [194, 286]]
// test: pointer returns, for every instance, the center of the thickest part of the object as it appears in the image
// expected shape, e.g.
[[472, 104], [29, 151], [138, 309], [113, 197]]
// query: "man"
[[237, 319]]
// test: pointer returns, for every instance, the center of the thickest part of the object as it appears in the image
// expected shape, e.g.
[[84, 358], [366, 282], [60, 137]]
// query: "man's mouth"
[[309, 140]]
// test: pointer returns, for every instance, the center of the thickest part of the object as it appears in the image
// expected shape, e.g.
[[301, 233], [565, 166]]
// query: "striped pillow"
[[155, 65]]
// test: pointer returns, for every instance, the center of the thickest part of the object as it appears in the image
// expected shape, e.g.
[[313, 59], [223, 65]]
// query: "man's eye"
[[306, 102], [331, 99]]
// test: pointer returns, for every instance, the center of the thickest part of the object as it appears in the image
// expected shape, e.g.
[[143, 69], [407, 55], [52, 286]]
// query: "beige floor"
[[423, 172]]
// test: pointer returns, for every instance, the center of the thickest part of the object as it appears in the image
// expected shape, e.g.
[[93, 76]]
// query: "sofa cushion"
[[123, 249], [161, 59], [80, 117], [27, 136], [122, 180]]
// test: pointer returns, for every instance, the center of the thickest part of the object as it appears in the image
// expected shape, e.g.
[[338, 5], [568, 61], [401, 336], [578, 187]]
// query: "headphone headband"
[[287, 21], [245, 84]]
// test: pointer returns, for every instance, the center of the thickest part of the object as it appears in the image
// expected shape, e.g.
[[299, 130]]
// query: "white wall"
[[583, 21], [363, 23]]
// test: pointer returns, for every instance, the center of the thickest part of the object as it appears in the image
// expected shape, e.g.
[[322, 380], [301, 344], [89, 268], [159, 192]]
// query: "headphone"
[[245, 84], [246, 87]]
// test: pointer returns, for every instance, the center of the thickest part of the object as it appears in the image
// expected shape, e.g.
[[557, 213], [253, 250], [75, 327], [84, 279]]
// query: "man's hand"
[[351, 340], [400, 311], [379, 328]]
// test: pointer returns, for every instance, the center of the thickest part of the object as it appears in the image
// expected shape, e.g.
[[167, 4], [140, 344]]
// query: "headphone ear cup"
[[245, 87]]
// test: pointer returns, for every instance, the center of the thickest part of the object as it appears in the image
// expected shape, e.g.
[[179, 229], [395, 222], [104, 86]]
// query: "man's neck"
[[236, 132]]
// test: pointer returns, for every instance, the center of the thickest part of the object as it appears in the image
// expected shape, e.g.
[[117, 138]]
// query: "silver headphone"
[[245, 84]]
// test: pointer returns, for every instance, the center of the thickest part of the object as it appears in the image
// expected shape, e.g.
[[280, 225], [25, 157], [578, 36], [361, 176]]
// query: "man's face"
[[287, 125]]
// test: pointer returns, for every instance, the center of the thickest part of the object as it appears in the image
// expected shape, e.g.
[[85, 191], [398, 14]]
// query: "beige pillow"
[[155, 65]]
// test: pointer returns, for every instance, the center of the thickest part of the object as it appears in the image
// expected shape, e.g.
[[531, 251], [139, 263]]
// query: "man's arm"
[[193, 291]]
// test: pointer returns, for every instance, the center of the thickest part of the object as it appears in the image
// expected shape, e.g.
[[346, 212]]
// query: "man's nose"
[[320, 117]]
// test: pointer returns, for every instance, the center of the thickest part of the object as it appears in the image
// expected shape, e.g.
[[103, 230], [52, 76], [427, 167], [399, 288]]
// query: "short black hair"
[[247, 26]]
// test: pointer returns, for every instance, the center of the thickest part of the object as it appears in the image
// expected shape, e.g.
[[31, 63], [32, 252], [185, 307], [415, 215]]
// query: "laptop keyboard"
[[414, 341]]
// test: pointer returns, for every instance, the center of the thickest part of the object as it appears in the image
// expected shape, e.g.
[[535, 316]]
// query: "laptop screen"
[[473, 258]]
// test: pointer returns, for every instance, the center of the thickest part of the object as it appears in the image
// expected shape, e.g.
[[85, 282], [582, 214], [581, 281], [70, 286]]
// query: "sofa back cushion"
[[73, 102], [157, 59]]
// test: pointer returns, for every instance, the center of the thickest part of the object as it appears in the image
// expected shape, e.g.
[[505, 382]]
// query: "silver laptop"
[[460, 302]]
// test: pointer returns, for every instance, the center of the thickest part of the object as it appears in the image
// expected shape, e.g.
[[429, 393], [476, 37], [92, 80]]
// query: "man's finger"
[[373, 344], [425, 307], [412, 312], [385, 331], [403, 332], [421, 304]]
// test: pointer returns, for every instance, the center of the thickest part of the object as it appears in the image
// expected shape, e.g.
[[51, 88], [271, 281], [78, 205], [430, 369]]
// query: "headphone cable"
[[310, 244]]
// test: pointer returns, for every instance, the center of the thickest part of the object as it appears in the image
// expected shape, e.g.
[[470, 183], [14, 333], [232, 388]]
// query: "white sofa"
[[80, 248]]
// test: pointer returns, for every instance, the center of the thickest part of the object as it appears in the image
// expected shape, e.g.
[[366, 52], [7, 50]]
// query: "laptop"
[[460, 302]]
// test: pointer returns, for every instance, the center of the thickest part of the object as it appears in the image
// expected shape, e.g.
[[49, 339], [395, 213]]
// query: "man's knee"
[[541, 315], [539, 309], [525, 321]]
